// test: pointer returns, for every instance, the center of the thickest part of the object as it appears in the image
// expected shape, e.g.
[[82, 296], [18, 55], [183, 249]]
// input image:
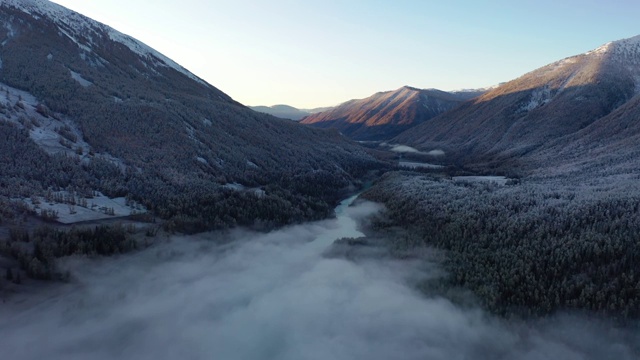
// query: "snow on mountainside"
[[626, 54], [136, 124], [523, 117], [82, 30]]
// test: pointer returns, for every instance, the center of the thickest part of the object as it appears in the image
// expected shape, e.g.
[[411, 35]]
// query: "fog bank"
[[247, 295]]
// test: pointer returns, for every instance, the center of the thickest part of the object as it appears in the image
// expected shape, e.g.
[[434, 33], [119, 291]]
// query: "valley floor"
[[287, 294]]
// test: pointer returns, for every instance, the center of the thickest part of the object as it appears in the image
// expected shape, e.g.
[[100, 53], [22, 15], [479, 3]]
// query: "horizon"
[[320, 54]]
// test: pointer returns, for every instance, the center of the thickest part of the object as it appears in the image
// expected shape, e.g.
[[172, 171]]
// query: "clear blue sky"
[[310, 53]]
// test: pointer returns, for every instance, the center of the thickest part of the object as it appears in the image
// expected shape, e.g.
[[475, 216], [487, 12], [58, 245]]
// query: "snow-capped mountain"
[[134, 123], [626, 55], [548, 106], [85, 31], [386, 114]]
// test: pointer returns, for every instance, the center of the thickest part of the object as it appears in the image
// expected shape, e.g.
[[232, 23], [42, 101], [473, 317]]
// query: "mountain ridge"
[[522, 117], [387, 113], [80, 23], [282, 111], [143, 127]]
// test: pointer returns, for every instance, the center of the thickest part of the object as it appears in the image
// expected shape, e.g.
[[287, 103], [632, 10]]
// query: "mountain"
[[558, 111], [386, 114], [282, 111], [85, 108], [288, 112]]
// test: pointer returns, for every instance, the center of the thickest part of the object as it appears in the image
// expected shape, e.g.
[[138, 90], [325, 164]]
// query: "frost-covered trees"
[[531, 248]]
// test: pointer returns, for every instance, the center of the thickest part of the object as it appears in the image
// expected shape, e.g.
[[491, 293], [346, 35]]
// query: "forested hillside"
[[531, 247], [143, 127]]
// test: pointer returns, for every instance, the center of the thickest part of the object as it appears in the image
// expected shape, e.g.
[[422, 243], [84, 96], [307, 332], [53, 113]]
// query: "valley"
[[286, 294], [147, 214]]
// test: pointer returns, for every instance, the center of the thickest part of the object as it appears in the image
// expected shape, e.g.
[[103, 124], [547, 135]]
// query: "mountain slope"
[[141, 126], [386, 114], [548, 106], [282, 111]]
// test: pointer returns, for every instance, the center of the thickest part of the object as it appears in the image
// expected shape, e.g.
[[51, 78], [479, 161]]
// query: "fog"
[[246, 295]]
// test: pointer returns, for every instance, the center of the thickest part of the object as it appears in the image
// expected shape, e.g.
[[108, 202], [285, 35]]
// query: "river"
[[248, 295]]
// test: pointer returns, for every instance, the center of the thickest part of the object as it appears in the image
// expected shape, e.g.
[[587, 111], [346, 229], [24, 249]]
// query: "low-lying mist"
[[246, 295]]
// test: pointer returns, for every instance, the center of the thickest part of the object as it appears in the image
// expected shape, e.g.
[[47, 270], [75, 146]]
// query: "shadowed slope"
[[177, 141]]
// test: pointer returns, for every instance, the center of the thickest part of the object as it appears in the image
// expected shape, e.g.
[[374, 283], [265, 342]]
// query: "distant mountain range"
[[85, 107], [570, 110], [386, 114], [287, 112]]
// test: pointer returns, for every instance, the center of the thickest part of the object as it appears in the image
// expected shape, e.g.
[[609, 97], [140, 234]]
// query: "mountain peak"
[[129, 121], [386, 114], [630, 46], [407, 87], [83, 30], [541, 106], [631, 40]]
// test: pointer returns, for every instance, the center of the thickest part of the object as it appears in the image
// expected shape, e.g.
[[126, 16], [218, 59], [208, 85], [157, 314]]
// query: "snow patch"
[[202, 160], [500, 180], [258, 192], [45, 128], [10, 33], [190, 131], [234, 186], [539, 97], [79, 209], [82, 81], [419, 165], [601, 50], [71, 23], [147, 52]]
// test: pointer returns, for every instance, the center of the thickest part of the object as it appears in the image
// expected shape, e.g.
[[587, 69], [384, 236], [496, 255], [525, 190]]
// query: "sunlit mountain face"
[[544, 112], [386, 114]]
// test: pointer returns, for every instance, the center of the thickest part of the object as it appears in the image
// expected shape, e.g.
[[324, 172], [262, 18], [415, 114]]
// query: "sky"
[[316, 53]]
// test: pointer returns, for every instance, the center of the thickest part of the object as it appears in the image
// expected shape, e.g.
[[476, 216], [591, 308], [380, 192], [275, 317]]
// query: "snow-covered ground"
[[416, 165], [239, 187], [44, 130], [82, 81], [77, 26], [97, 208], [21, 105], [500, 180]]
